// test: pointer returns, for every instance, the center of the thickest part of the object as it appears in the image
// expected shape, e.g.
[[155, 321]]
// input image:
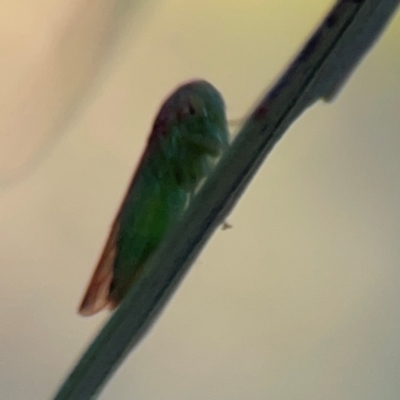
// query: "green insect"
[[189, 134]]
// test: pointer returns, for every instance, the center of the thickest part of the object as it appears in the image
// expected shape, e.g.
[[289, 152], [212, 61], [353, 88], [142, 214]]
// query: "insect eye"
[[192, 110], [189, 109]]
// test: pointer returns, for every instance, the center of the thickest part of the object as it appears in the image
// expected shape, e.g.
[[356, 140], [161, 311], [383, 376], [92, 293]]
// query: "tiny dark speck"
[[310, 48], [260, 112], [332, 19]]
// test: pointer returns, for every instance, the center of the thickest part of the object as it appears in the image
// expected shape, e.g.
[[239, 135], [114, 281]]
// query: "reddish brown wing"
[[97, 293]]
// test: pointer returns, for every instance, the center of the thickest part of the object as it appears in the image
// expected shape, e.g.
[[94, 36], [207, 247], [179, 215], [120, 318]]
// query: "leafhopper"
[[189, 134]]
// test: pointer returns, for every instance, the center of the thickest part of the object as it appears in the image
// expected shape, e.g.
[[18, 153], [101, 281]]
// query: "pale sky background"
[[300, 300]]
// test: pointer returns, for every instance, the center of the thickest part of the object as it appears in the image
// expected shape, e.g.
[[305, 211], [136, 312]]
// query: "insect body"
[[188, 135]]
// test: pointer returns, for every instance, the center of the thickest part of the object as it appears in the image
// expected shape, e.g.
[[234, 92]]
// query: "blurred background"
[[300, 300]]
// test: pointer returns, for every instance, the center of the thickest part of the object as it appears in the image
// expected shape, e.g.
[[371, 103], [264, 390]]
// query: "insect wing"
[[97, 293]]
